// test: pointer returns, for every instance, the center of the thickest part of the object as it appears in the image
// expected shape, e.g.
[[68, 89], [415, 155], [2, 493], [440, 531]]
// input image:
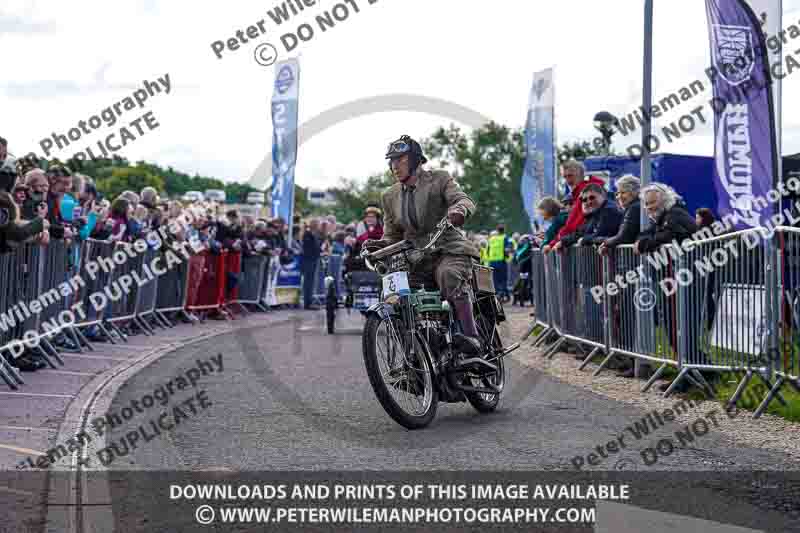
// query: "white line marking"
[[26, 451], [95, 357], [37, 394], [68, 372], [25, 428]]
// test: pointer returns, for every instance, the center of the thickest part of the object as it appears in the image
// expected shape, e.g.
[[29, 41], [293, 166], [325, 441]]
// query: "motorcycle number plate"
[[396, 283]]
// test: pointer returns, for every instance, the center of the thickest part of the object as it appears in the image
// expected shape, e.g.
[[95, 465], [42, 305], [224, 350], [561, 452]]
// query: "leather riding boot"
[[468, 341]]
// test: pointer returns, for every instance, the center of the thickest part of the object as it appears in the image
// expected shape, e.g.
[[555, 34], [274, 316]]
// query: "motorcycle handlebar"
[[443, 226]]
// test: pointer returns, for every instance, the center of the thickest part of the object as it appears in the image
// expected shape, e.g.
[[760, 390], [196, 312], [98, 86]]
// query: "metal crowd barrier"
[[252, 283], [122, 296], [173, 290], [787, 314], [206, 283], [95, 282], [539, 288], [708, 306], [46, 286]]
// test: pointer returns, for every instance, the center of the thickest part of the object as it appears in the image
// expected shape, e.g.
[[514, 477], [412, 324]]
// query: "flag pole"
[[647, 102]]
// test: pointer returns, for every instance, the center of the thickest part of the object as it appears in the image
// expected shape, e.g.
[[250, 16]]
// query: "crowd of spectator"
[[590, 217]]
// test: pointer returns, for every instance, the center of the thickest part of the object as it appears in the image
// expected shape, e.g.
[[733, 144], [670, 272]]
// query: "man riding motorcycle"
[[412, 208]]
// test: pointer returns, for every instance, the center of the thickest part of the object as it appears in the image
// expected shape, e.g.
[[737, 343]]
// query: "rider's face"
[[400, 167]]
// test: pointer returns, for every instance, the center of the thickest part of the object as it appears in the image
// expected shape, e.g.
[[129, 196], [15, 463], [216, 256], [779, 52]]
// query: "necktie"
[[411, 206]]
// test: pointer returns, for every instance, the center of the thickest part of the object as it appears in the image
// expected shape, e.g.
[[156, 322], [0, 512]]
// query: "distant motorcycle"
[[407, 339]]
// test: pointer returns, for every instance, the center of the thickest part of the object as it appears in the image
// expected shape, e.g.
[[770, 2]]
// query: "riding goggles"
[[398, 148]]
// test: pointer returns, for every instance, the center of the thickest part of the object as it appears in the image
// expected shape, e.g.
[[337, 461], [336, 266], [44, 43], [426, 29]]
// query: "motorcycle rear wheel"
[[391, 370], [485, 402]]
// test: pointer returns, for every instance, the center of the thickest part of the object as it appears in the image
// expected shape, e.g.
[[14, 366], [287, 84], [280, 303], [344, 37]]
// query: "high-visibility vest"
[[497, 248], [513, 250]]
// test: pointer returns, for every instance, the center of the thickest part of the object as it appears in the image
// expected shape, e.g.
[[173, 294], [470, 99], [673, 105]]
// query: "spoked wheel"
[[403, 383], [485, 402], [330, 309]]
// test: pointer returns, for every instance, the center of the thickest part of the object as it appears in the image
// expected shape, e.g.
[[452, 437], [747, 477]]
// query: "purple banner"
[[745, 148]]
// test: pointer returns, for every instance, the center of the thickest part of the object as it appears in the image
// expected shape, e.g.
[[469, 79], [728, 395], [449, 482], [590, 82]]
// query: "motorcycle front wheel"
[[402, 383]]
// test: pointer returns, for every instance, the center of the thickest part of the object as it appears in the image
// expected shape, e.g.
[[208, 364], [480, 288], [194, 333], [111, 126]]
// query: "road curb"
[[67, 490]]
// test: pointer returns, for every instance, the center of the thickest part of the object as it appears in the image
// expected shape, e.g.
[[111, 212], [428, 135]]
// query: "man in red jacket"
[[574, 174]]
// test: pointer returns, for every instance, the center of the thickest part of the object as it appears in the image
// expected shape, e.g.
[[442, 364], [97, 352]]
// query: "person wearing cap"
[[373, 229], [412, 209]]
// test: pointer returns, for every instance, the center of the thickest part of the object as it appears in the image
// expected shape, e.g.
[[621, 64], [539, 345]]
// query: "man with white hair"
[[669, 219]]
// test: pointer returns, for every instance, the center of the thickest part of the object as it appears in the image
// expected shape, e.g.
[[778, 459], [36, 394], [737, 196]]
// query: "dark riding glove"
[[456, 218]]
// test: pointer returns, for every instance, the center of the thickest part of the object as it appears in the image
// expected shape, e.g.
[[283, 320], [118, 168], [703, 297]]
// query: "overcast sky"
[[65, 61]]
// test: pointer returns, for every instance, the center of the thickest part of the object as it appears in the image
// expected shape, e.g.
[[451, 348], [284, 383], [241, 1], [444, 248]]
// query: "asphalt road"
[[292, 398]]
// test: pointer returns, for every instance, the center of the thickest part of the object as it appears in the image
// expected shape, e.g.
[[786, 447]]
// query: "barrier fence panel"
[[786, 307], [554, 284], [789, 311], [539, 287], [588, 314], [232, 264], [147, 285], [622, 321], [204, 282], [96, 273], [122, 293], [252, 283], [172, 289], [725, 315], [12, 271]]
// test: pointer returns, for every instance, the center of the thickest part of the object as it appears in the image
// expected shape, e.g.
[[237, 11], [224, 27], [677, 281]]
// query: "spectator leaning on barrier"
[[13, 229], [669, 219], [574, 174], [628, 198], [553, 212], [602, 219]]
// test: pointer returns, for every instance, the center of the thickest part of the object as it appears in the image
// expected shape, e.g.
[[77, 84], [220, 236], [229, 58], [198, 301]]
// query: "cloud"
[[14, 24]]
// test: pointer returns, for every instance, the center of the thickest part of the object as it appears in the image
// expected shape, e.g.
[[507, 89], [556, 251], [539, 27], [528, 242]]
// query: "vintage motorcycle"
[[407, 340]]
